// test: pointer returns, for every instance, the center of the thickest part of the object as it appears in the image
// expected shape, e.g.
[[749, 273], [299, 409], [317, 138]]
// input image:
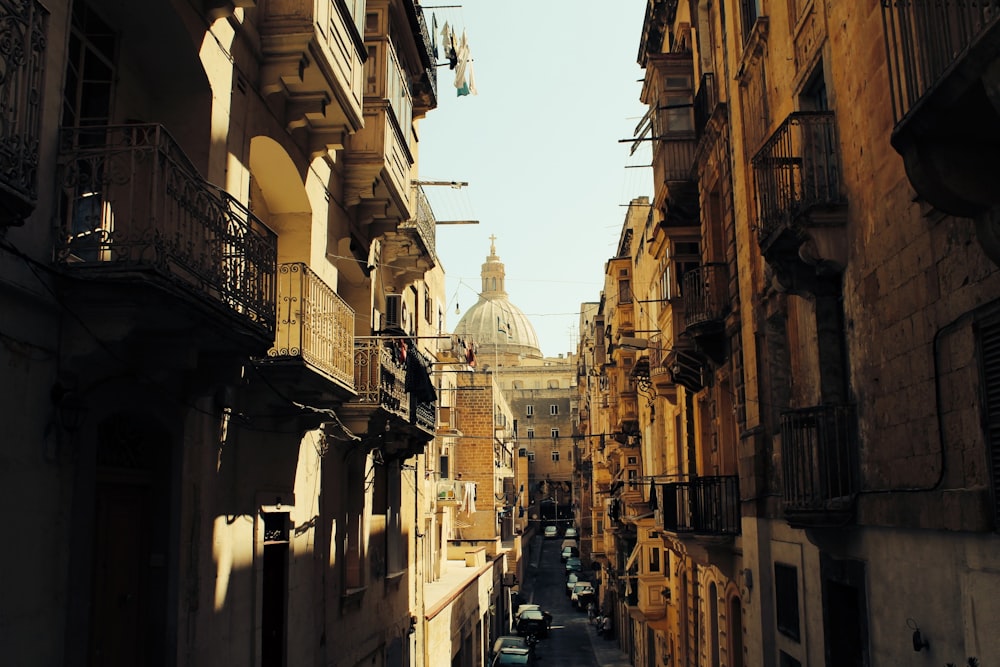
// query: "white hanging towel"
[[470, 496], [463, 69]]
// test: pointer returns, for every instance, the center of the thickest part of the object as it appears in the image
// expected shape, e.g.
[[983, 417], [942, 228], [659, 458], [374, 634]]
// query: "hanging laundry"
[[470, 497], [434, 36], [448, 43], [464, 68]]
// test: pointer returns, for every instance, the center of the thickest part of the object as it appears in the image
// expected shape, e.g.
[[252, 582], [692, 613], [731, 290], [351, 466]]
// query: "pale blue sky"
[[558, 87]]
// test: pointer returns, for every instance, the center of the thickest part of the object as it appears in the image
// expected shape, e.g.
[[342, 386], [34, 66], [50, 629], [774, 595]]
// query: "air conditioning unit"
[[393, 312]]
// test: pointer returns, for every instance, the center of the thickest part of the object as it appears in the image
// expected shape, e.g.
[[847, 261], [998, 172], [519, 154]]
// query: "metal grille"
[[819, 458], [923, 38], [132, 201], [314, 323], [796, 170], [989, 351]]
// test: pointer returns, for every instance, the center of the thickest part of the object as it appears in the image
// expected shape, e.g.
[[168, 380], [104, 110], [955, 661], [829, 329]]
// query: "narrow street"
[[573, 641]]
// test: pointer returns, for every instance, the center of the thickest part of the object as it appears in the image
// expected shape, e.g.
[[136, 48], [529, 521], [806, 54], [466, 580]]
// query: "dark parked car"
[[573, 565], [509, 641], [514, 656], [532, 622], [571, 580], [569, 552]]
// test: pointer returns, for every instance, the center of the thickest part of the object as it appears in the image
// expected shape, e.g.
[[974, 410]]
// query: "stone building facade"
[[221, 304], [820, 272]]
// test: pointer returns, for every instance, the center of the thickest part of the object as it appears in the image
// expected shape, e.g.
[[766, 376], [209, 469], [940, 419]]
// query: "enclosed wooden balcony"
[[312, 58], [942, 58], [819, 464], [139, 223], [378, 159], [700, 506], [312, 359], [23, 62]]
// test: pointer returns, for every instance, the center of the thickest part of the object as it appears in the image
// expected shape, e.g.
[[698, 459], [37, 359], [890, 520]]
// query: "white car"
[[571, 533], [550, 532]]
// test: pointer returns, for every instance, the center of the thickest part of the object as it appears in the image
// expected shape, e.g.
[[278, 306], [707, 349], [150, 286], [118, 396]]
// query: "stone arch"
[[278, 197]]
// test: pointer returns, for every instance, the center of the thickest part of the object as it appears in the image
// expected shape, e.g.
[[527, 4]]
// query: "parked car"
[[525, 607], [571, 580], [569, 552], [551, 532], [573, 565], [580, 587], [585, 597], [571, 532], [508, 641], [532, 621], [514, 656]]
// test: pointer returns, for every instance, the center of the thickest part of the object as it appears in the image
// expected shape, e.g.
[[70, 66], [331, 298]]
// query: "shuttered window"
[[989, 354]]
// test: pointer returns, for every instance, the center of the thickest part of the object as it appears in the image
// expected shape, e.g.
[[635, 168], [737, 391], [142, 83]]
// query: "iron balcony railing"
[[313, 323], [22, 58], [424, 222], [797, 170], [924, 38], [706, 294], [424, 414], [133, 202], [702, 506], [705, 102], [819, 458], [427, 45], [380, 376]]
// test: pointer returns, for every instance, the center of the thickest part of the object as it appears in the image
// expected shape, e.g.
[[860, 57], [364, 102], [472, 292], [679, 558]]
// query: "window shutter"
[[989, 350]]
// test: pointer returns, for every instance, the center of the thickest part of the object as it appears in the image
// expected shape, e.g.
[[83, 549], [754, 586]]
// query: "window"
[[555, 433], [633, 479], [553, 410], [555, 455], [749, 11], [786, 598], [529, 410], [654, 559], [531, 456], [531, 433], [624, 291], [522, 452]]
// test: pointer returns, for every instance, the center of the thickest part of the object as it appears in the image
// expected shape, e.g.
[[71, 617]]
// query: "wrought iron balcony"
[[819, 463], [425, 92], [134, 205], [702, 506], [706, 100], [380, 376], [23, 62], [942, 58], [314, 325], [926, 39], [391, 377], [409, 251], [797, 174], [706, 296]]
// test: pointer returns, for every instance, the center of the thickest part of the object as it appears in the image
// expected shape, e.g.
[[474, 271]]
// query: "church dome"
[[495, 324]]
